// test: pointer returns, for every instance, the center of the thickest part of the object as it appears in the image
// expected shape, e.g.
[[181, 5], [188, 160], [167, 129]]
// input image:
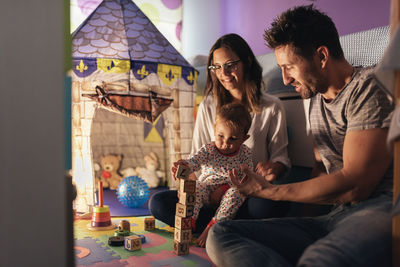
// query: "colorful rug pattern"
[[92, 249]]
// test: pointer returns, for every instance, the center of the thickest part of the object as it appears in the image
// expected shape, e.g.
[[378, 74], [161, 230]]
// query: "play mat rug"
[[92, 249]]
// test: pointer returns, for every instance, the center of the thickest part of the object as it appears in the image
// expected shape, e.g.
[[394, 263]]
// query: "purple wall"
[[250, 18]]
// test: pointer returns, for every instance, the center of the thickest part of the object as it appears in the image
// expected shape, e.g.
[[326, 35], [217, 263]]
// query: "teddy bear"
[[110, 176], [150, 174]]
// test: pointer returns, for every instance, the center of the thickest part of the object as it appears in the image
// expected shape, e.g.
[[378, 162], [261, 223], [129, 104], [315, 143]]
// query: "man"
[[349, 118]]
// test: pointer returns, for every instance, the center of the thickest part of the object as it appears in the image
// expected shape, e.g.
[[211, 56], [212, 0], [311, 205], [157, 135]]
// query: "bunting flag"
[[153, 132], [110, 65], [169, 73]]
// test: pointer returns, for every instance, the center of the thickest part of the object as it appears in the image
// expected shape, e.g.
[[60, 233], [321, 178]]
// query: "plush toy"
[[150, 174], [110, 176]]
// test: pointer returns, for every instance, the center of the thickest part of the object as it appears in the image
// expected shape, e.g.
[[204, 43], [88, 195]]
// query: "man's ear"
[[246, 137], [323, 55]]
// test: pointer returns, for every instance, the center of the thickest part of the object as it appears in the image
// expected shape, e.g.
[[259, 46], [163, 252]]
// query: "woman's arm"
[[203, 128], [277, 141]]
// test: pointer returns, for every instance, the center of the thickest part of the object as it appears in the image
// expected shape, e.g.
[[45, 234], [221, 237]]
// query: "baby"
[[215, 159]]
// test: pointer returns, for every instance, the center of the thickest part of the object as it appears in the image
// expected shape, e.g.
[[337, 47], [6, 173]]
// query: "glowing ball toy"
[[133, 192]]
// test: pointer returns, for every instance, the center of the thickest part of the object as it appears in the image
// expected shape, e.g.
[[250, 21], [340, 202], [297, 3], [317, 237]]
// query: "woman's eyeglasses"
[[229, 67]]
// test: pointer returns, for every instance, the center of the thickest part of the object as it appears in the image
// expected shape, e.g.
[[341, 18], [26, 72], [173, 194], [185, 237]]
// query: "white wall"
[[200, 26], [35, 230]]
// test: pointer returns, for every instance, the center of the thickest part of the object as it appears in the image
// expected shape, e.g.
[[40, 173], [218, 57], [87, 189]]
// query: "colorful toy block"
[[149, 223], [187, 198], [183, 210], [183, 223], [182, 235], [181, 248], [187, 186], [133, 242], [182, 172]]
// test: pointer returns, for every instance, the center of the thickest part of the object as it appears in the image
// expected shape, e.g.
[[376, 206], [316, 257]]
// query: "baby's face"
[[227, 140]]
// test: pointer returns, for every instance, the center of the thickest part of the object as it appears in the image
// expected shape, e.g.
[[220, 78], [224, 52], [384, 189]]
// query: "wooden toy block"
[[133, 242], [124, 225], [149, 223], [184, 210], [182, 172], [187, 186], [182, 235], [181, 248], [187, 198], [183, 223]]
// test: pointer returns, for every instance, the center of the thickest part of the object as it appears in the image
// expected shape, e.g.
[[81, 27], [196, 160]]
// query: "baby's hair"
[[234, 115]]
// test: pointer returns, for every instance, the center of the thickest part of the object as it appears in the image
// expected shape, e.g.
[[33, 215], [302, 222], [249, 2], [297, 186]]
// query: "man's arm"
[[365, 160]]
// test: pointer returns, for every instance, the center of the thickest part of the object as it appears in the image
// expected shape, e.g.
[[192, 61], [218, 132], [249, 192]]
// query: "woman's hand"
[[270, 170], [249, 183]]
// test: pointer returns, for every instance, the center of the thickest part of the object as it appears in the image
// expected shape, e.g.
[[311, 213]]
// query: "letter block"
[[183, 223], [149, 223], [133, 242], [181, 248], [187, 198], [182, 235], [183, 210], [182, 172], [187, 186]]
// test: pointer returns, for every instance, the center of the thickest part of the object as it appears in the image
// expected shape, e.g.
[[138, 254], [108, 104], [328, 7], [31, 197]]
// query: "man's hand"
[[249, 183]]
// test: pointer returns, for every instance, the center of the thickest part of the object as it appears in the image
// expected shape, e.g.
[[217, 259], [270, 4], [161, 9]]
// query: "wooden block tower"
[[184, 211]]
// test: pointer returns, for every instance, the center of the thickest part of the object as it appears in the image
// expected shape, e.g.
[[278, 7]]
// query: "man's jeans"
[[350, 235]]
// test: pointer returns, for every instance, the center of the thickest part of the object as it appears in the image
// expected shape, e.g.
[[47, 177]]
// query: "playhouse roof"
[[118, 29]]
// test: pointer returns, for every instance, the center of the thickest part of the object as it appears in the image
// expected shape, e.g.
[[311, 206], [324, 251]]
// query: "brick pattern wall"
[[97, 131], [113, 133]]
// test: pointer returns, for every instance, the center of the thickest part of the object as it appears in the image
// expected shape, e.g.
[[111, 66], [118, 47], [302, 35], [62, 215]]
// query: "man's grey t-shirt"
[[360, 105]]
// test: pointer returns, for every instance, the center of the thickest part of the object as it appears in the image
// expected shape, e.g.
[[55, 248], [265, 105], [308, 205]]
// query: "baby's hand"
[[201, 241], [174, 168]]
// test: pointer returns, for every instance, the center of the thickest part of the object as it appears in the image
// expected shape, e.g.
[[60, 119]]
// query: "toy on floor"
[[124, 229], [149, 224], [116, 241], [101, 219], [150, 173], [110, 176], [133, 242], [133, 192], [142, 238]]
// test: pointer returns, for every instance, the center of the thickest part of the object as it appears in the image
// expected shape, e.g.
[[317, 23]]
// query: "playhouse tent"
[[121, 62], [125, 63]]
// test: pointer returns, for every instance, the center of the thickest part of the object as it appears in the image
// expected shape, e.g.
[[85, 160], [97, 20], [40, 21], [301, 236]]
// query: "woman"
[[234, 75]]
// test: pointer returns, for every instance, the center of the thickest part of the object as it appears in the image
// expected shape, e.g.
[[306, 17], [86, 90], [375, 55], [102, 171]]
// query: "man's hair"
[[306, 28], [236, 116], [252, 73]]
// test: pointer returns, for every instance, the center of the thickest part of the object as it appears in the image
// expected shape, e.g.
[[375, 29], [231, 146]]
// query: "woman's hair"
[[252, 74], [235, 116], [306, 28]]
